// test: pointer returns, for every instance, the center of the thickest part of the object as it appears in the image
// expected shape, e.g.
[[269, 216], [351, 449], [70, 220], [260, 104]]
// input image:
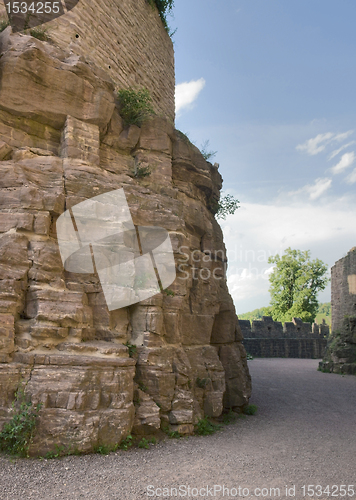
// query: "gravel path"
[[303, 434]]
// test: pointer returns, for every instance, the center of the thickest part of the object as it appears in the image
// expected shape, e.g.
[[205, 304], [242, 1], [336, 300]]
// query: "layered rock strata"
[[340, 356], [62, 141]]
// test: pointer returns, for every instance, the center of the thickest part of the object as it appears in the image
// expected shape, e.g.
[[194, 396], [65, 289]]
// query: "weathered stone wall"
[[295, 339], [126, 39], [61, 145], [340, 355]]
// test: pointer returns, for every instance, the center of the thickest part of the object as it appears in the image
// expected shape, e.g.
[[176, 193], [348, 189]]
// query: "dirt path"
[[303, 434]]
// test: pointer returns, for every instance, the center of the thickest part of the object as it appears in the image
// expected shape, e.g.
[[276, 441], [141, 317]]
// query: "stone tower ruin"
[[340, 355]]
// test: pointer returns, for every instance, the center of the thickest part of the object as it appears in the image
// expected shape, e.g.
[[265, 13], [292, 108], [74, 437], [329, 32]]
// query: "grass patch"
[[135, 106], [40, 34]]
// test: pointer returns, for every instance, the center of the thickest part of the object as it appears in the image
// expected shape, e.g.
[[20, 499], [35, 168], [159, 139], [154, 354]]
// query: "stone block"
[[7, 334], [196, 329], [213, 404]]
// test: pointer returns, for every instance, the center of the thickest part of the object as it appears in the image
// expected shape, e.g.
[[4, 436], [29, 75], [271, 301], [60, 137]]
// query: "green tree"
[[295, 283]]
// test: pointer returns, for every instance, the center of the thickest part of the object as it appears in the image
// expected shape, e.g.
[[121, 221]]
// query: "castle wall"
[[126, 39], [343, 289], [295, 339]]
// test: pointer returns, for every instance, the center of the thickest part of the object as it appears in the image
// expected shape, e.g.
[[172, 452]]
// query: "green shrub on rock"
[[135, 106]]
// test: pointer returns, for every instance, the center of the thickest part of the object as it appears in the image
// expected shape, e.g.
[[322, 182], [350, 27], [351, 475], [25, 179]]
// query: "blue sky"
[[271, 84]]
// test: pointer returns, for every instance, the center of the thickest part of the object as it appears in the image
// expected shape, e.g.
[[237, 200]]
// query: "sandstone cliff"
[[62, 141]]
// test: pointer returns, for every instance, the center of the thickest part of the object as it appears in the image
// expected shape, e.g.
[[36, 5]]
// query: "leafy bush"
[[205, 427], [250, 410], [227, 205], [16, 436], [135, 106]]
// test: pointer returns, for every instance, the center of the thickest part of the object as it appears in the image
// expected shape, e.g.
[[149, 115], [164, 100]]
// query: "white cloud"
[[315, 145], [318, 144], [315, 190], [187, 92], [337, 151], [346, 161], [341, 137], [351, 179]]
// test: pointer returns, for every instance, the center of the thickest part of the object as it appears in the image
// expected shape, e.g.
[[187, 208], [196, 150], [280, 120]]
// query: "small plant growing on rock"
[[208, 155], [205, 427], [132, 349], [164, 7], [17, 435], [141, 172], [135, 106], [169, 293], [202, 382], [250, 410], [40, 34]]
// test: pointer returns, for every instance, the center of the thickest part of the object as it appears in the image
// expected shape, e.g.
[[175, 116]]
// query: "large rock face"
[[340, 356], [62, 141]]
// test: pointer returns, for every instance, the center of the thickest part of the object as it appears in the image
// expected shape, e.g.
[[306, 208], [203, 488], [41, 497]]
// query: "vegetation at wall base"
[[250, 410], [17, 435], [206, 427], [135, 105]]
